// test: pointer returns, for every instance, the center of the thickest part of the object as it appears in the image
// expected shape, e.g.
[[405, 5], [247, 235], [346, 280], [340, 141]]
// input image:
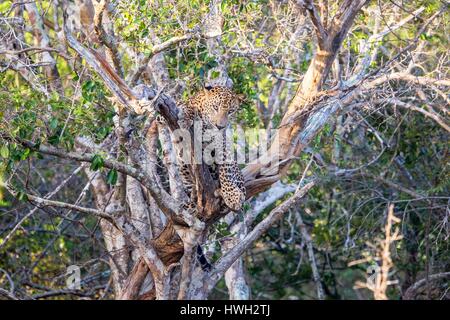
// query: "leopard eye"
[[214, 106]]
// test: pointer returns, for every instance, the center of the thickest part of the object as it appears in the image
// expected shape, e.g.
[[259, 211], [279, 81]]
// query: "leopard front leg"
[[232, 187]]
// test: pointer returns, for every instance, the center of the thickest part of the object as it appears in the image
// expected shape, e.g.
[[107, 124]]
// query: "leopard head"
[[218, 104]]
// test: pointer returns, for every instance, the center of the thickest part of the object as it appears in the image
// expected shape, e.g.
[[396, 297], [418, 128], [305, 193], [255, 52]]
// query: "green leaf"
[[424, 36], [25, 154], [215, 74], [88, 85], [97, 162], [53, 123], [4, 151], [22, 196], [111, 177], [54, 140], [54, 96]]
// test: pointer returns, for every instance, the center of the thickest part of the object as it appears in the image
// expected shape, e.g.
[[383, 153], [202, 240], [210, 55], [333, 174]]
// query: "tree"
[[97, 73]]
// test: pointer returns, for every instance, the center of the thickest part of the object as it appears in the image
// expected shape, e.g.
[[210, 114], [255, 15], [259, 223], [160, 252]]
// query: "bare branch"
[[43, 39], [164, 200], [46, 202], [411, 291], [228, 259], [7, 295], [312, 259], [114, 83], [32, 211], [432, 115], [107, 39], [158, 49], [403, 76], [321, 33]]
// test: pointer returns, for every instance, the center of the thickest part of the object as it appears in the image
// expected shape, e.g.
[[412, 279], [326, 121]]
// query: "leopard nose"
[[221, 121]]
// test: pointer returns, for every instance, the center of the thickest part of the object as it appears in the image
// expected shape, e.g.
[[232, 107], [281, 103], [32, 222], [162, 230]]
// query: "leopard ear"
[[207, 88]]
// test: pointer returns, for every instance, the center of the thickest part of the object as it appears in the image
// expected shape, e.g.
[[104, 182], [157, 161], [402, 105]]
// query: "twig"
[[312, 260]]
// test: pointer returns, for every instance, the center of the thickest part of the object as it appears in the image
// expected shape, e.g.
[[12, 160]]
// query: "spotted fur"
[[214, 106]]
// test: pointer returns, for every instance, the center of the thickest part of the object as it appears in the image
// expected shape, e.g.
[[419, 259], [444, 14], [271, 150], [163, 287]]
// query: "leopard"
[[214, 107]]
